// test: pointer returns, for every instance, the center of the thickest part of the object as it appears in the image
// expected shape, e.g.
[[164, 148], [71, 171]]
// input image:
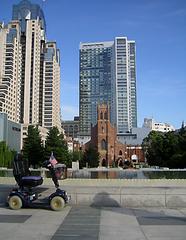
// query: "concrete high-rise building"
[[29, 69], [51, 87], [108, 75], [125, 76], [32, 27], [10, 70]]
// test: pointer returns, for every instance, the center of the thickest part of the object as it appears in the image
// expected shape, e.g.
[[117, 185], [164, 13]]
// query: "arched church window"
[[103, 130], [105, 115], [103, 144]]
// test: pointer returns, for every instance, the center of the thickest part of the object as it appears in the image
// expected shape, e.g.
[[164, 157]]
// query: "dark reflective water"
[[111, 174], [130, 174]]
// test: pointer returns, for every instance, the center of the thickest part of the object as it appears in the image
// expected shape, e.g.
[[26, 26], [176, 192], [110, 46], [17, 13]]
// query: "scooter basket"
[[60, 171]]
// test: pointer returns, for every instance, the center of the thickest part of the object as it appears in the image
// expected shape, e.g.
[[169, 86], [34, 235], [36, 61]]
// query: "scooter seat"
[[31, 181]]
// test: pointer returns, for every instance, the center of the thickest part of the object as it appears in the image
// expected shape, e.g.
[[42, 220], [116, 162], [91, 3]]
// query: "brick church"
[[104, 140]]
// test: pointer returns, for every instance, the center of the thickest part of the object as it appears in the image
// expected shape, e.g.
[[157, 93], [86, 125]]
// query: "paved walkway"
[[91, 223]]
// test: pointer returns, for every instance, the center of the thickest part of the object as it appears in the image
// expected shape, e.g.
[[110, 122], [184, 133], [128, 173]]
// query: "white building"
[[29, 69], [10, 132], [151, 124], [51, 87], [10, 70]]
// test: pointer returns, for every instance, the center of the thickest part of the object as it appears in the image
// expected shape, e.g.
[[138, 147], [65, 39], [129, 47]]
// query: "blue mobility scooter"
[[24, 195]]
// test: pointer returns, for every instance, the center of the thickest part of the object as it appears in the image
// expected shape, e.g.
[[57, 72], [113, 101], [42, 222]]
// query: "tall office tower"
[[108, 75], [32, 24], [32, 51], [125, 77], [51, 88], [95, 81]]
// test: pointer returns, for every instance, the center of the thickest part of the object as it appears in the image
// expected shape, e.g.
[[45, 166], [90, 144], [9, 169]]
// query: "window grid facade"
[[27, 88], [108, 75]]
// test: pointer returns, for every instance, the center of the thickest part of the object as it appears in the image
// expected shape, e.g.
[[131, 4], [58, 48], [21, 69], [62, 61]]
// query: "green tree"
[[182, 139], [33, 150], [76, 155], [90, 157], [153, 148], [166, 149], [55, 143], [170, 148], [6, 155], [182, 145]]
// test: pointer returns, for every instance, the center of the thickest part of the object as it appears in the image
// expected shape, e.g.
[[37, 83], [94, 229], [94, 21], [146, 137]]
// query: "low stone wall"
[[128, 196], [107, 193]]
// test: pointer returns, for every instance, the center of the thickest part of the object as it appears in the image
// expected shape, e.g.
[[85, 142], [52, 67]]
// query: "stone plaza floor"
[[91, 223]]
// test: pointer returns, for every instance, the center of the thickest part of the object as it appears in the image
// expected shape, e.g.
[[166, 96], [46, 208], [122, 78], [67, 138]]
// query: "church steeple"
[[103, 112]]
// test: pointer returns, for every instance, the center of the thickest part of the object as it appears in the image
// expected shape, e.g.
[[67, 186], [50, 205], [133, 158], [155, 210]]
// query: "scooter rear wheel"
[[57, 203], [15, 202]]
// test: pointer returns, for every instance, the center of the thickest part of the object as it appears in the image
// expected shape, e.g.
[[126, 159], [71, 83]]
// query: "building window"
[[103, 144], [120, 152], [103, 130], [16, 129], [105, 116]]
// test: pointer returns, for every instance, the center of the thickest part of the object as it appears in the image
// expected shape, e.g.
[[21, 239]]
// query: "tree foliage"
[[90, 157], [6, 155], [55, 143], [166, 149], [33, 150], [76, 156]]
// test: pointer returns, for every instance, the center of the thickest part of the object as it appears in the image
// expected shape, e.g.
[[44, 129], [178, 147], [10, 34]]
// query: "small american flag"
[[52, 159]]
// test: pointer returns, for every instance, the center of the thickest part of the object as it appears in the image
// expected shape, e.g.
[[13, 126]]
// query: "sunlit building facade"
[[29, 69], [10, 70], [153, 125], [108, 75], [51, 86]]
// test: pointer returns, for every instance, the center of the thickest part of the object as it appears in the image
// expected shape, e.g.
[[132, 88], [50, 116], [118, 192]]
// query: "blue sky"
[[157, 26]]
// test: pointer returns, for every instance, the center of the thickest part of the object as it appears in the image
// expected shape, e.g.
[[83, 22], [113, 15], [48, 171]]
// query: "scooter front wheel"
[[57, 203], [15, 202]]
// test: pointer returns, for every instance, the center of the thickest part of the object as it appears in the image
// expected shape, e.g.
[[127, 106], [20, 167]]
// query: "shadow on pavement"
[[144, 216], [103, 199]]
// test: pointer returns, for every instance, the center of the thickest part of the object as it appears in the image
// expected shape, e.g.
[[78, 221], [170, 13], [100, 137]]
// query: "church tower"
[[103, 136]]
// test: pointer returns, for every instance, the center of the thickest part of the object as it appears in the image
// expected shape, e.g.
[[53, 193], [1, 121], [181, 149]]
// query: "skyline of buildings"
[[29, 69], [30, 75], [108, 75], [159, 68]]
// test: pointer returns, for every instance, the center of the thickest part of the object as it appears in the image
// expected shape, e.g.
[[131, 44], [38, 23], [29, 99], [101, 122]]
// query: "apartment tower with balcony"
[[29, 69]]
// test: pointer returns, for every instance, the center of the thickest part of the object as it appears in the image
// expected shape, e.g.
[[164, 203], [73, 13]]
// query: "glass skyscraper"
[[95, 81], [108, 75]]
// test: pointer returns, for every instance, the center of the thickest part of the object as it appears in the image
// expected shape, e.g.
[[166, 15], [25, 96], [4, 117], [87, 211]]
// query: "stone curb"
[[125, 193]]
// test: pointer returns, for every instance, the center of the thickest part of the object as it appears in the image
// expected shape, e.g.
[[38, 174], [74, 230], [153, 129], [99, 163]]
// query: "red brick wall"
[[114, 150]]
